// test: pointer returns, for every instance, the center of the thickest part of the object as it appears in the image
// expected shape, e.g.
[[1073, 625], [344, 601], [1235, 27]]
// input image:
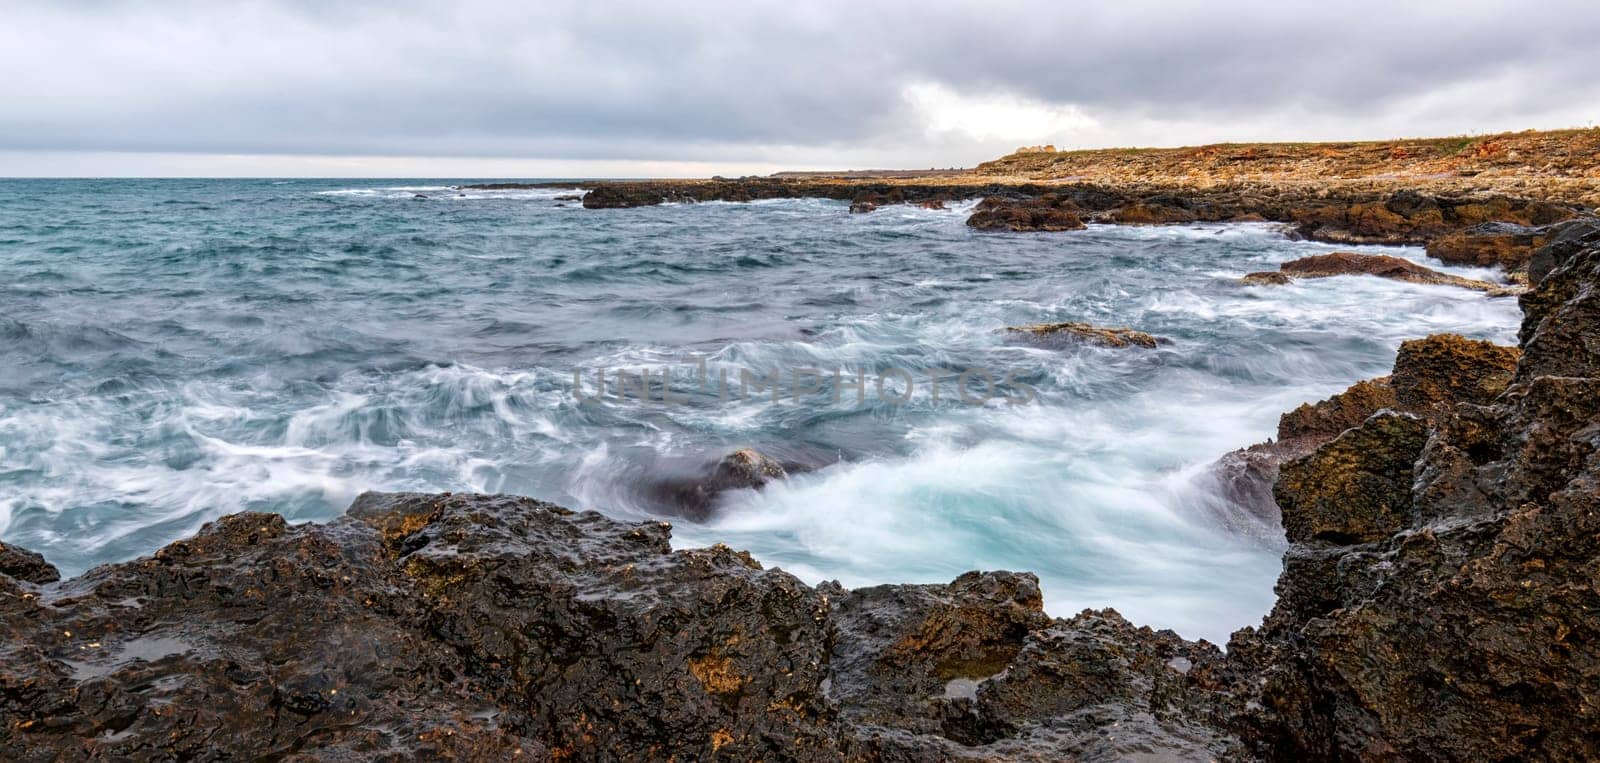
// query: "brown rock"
[[1506, 245], [1381, 265], [1266, 278], [1105, 337], [1044, 213], [1446, 369], [1355, 489], [1322, 421]]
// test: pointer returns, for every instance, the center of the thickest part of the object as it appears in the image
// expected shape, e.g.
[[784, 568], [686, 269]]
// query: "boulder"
[[1355, 489]]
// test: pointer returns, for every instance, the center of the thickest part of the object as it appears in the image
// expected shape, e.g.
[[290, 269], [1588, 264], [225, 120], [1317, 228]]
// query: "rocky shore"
[[1438, 601], [1486, 200]]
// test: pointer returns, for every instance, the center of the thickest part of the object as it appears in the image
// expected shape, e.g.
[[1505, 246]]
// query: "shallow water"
[[171, 351]]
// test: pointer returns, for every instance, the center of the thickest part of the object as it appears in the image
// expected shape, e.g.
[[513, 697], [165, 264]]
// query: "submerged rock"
[[694, 495], [1083, 332]]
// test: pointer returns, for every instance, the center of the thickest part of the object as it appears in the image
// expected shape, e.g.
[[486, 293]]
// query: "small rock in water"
[[1105, 337]]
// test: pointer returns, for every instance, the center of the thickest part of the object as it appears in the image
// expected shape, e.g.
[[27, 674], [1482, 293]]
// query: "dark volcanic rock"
[[1469, 632], [694, 495], [26, 566], [495, 628], [1562, 242], [1050, 212]]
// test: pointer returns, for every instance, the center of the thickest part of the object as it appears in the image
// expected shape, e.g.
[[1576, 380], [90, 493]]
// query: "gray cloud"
[[775, 82]]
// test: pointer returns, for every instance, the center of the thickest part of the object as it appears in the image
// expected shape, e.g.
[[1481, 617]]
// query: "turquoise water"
[[171, 351]]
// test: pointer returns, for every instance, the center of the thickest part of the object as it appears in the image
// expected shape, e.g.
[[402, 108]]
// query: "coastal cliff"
[[1438, 601]]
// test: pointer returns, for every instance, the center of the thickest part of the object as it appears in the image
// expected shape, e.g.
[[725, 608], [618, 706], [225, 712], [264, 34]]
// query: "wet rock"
[[975, 670], [570, 197], [1506, 245], [1083, 332], [694, 495], [26, 566], [1380, 265], [1322, 421], [1355, 489], [1266, 278], [1459, 629], [1559, 335], [1562, 242], [1444, 370], [1050, 212]]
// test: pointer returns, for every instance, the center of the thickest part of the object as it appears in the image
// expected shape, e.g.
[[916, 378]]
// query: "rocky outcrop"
[[1380, 265], [1050, 212], [1438, 601], [1430, 377], [1506, 245], [495, 628], [1075, 332]]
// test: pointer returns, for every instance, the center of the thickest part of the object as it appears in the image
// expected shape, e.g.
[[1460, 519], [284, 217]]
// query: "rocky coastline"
[[1438, 598], [1438, 601]]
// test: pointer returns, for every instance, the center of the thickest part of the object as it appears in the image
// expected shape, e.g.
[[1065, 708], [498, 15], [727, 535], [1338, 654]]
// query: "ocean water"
[[172, 351]]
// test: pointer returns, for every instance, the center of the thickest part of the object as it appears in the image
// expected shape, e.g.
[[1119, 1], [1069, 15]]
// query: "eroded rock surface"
[[1458, 622]]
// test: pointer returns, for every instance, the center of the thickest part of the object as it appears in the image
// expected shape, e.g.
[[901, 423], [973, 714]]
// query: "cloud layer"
[[764, 84]]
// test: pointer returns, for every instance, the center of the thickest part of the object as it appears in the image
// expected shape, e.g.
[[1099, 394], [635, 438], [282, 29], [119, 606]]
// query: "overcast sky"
[[535, 88]]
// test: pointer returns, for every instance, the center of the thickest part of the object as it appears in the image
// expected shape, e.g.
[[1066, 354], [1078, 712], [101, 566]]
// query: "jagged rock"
[[693, 493], [26, 566], [1325, 420], [1355, 489], [1050, 212], [975, 670], [1562, 242], [1447, 369], [1559, 335], [1083, 332], [1468, 633], [494, 627]]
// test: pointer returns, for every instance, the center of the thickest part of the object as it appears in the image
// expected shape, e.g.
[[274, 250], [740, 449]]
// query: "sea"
[[172, 351]]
